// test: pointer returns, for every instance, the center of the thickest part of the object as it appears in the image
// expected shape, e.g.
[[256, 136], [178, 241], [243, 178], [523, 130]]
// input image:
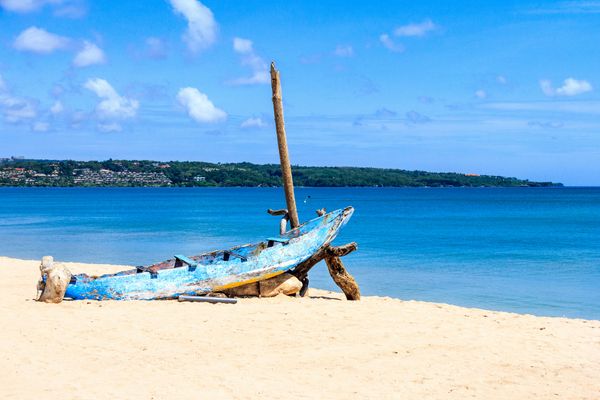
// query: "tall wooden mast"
[[286, 169]]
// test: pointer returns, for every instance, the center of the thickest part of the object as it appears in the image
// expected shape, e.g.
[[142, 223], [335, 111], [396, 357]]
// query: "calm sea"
[[529, 250]]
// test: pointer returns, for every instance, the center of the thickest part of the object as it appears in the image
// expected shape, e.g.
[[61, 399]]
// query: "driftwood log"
[[57, 276], [341, 277]]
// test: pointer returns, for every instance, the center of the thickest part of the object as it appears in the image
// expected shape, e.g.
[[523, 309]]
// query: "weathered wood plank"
[[342, 278], [272, 240], [286, 169], [193, 264], [340, 251], [331, 255]]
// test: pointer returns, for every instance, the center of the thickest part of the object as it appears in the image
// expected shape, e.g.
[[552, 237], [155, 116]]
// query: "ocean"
[[526, 250]]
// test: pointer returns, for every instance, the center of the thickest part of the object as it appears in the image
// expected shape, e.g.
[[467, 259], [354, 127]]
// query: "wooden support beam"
[[342, 278], [338, 272], [286, 169], [331, 255], [302, 269], [340, 251]]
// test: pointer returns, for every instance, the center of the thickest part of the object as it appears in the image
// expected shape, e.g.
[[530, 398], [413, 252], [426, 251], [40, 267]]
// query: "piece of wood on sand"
[[338, 272], [56, 282], [331, 255]]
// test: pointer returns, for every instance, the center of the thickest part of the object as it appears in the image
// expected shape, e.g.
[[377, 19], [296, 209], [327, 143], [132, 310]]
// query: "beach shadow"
[[324, 298]]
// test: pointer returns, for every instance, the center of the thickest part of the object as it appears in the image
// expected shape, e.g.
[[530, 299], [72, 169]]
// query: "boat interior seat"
[[153, 273], [180, 260], [272, 240], [227, 254]]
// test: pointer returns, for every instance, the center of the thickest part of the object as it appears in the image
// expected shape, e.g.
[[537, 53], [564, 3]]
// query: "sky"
[[497, 87]]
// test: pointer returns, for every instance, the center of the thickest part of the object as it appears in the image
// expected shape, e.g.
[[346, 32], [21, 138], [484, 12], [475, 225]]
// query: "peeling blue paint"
[[213, 272]]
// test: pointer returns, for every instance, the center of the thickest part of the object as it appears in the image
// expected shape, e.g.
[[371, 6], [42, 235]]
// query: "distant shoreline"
[[19, 172], [300, 187]]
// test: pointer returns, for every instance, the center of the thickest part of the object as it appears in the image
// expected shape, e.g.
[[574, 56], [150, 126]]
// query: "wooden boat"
[[217, 270]]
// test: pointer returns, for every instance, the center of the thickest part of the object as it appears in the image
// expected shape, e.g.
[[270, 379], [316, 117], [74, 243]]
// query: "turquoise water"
[[529, 250]]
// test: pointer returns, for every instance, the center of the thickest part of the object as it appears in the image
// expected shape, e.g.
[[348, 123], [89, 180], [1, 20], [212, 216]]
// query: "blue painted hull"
[[251, 263]]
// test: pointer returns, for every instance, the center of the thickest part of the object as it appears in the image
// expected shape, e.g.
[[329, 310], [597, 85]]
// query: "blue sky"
[[495, 87]]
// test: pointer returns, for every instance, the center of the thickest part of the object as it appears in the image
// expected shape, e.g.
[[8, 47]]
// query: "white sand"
[[310, 348]]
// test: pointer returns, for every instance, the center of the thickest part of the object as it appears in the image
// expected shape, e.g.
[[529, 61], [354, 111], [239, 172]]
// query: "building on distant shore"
[[12, 158]]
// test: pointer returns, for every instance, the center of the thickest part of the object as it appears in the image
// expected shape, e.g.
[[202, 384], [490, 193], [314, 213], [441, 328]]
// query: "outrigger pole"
[[286, 169], [330, 254]]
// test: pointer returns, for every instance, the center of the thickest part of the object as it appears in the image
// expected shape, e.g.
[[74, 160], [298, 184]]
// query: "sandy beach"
[[315, 347]]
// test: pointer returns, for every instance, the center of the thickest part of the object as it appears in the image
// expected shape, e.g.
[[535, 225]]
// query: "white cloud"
[[570, 87], [57, 107], [501, 79], [62, 8], [40, 41], [242, 46], [254, 123], [25, 6], [90, 54], [480, 94], [199, 107], [410, 30], [202, 27], [110, 127], [112, 105], [40, 126], [76, 10], [420, 29], [344, 51], [260, 73], [21, 6], [389, 44], [15, 109]]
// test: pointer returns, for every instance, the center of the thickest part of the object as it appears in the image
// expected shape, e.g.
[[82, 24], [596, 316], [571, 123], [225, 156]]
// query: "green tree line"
[[195, 173]]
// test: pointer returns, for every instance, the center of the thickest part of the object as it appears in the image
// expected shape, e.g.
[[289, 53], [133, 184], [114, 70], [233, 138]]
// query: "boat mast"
[[286, 169]]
